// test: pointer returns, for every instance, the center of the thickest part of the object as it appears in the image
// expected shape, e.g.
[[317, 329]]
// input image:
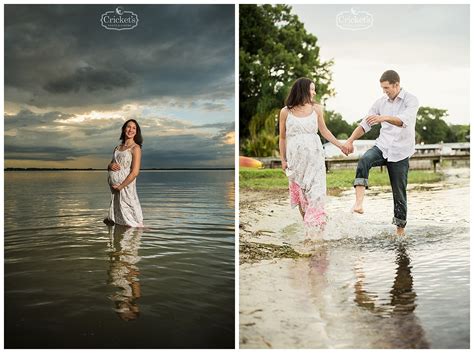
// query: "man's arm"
[[377, 119], [356, 134], [405, 118], [408, 115], [348, 147], [360, 130]]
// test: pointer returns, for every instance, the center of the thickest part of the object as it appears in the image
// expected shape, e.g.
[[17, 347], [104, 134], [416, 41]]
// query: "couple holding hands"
[[303, 157]]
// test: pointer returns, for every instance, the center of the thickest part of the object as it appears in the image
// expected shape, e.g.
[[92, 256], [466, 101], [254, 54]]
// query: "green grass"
[[274, 179]]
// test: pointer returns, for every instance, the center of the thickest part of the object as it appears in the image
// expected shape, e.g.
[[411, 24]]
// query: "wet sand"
[[295, 294]]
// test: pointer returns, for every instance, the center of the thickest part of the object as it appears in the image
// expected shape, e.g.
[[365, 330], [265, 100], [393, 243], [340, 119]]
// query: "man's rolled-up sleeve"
[[373, 111], [408, 114], [364, 125]]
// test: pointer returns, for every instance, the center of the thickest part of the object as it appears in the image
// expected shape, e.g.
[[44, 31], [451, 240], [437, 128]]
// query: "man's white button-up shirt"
[[395, 142]]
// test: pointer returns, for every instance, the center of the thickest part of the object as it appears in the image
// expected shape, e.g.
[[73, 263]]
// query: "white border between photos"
[[471, 193], [236, 175]]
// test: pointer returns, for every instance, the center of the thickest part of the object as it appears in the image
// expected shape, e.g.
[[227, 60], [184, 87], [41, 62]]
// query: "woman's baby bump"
[[116, 177]]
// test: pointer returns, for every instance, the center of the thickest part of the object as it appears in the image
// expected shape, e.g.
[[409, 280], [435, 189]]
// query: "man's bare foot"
[[358, 209], [400, 231]]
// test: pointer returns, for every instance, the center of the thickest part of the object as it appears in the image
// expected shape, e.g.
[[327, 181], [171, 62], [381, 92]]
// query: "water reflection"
[[230, 194], [71, 282], [123, 270], [398, 320], [402, 294]]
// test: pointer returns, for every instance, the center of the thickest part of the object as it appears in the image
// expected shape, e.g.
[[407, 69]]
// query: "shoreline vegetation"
[[103, 169], [337, 180]]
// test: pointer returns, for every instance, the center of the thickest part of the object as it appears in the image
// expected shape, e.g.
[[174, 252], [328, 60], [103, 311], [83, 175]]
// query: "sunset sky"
[[428, 45], [70, 84]]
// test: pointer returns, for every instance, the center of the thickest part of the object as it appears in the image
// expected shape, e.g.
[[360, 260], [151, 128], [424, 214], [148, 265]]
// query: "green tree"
[[430, 125], [263, 139], [275, 49], [337, 125], [342, 136], [458, 133]]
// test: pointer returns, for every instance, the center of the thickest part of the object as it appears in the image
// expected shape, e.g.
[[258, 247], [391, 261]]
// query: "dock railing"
[[435, 159]]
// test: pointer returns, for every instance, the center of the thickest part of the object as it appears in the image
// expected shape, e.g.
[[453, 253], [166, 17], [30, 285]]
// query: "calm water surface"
[[396, 292], [71, 281]]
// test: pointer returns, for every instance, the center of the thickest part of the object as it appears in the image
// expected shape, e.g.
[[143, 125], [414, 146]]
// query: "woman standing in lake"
[[124, 168], [302, 154]]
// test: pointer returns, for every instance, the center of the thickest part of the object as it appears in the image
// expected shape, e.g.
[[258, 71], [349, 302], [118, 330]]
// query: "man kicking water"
[[396, 112]]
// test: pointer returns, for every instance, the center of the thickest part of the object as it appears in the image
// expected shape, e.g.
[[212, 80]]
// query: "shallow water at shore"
[[73, 282], [363, 287]]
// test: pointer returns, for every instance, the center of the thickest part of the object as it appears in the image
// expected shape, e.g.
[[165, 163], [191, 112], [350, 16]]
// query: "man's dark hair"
[[390, 76]]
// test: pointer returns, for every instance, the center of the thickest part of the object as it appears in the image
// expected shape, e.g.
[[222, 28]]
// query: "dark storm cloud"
[[49, 137], [90, 79], [187, 151], [28, 119], [60, 56], [45, 153]]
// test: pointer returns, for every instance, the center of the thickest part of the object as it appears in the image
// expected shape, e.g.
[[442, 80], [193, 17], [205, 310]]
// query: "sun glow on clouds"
[[229, 138], [94, 115]]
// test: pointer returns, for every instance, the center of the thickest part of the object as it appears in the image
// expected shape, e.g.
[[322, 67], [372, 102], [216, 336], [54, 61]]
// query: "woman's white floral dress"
[[306, 168], [125, 207]]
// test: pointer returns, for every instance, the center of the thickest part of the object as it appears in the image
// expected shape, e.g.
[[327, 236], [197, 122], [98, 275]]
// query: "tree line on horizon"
[[275, 49]]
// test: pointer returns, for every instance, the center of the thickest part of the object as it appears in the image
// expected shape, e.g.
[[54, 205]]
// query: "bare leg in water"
[[400, 231], [358, 208]]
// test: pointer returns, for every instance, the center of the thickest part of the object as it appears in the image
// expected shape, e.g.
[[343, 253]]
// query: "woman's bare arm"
[[282, 139], [323, 128]]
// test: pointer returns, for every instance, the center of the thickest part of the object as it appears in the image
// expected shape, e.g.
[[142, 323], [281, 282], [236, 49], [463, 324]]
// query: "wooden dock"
[[435, 159]]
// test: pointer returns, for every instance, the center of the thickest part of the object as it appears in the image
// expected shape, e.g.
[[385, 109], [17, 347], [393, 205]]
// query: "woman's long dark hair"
[[299, 93], [138, 136]]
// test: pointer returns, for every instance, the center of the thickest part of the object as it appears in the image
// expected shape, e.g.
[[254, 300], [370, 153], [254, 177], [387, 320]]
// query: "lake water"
[[397, 292], [362, 287], [73, 282]]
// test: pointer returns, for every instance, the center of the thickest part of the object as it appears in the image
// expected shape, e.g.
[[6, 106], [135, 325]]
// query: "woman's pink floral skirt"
[[314, 215]]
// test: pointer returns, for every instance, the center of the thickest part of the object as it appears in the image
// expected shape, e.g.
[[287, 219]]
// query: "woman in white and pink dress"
[[124, 168], [302, 154]]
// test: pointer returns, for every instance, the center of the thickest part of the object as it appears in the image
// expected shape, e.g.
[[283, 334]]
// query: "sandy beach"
[[295, 294]]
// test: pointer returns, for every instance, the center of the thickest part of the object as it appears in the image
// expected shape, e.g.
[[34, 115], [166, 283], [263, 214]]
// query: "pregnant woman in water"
[[124, 168]]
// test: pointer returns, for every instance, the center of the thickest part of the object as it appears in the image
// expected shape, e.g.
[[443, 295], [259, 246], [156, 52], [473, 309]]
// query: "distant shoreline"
[[94, 169]]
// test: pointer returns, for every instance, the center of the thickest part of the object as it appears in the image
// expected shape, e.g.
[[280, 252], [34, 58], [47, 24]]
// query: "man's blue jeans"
[[398, 173]]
